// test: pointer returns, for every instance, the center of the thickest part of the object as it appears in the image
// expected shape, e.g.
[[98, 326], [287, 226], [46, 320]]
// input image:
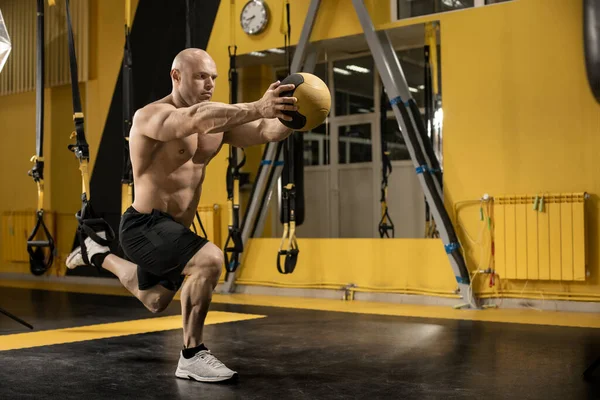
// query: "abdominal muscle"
[[177, 195]]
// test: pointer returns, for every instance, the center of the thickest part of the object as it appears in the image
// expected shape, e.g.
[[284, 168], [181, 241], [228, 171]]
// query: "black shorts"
[[160, 246]]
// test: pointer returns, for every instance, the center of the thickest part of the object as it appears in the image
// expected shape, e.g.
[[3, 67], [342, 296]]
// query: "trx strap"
[[285, 31], [89, 223], [234, 245], [39, 263], [127, 175], [201, 226], [190, 6], [385, 223], [288, 204], [288, 247]]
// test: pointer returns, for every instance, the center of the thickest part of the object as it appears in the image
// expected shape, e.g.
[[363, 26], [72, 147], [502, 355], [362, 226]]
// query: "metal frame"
[[392, 76]]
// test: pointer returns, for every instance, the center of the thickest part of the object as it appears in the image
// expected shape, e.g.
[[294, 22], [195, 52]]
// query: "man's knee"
[[214, 263], [157, 304], [207, 262]]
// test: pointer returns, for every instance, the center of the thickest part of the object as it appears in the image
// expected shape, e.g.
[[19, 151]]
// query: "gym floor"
[[91, 346]]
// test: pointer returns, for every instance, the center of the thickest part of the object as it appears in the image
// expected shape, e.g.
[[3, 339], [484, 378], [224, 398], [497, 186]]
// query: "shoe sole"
[[190, 376], [70, 258]]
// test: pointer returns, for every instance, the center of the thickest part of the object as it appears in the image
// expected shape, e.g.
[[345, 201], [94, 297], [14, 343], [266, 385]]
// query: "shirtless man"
[[171, 142]]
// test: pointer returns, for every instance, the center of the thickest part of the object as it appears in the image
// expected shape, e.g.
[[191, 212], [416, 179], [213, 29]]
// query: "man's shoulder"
[[156, 106]]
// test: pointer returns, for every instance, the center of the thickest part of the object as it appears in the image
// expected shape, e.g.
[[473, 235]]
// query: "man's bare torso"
[[168, 176]]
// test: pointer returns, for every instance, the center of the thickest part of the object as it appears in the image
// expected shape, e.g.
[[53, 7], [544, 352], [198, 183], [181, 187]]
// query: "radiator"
[[540, 237], [211, 220], [16, 228]]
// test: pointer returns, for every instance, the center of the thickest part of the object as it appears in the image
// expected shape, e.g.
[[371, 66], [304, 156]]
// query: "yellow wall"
[[336, 18], [519, 115], [519, 118], [62, 176]]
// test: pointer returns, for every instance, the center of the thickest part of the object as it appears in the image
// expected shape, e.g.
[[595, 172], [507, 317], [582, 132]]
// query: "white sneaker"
[[75, 259], [203, 367]]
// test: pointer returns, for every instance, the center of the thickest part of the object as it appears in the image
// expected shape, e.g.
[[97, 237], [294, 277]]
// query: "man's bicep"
[[248, 134]]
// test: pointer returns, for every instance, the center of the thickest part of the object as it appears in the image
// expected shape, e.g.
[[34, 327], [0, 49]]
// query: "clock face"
[[254, 18]]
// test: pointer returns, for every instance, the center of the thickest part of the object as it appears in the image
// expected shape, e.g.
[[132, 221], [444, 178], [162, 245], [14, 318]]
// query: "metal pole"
[[396, 87]]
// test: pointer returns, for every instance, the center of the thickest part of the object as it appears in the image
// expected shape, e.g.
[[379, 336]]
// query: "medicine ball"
[[314, 101]]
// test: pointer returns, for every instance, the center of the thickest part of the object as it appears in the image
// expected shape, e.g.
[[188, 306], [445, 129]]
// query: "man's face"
[[197, 80]]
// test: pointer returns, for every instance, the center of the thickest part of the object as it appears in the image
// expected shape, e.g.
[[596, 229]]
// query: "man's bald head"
[[193, 74], [188, 56]]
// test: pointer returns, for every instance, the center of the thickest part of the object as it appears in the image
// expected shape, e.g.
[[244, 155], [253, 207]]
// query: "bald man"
[[171, 142]]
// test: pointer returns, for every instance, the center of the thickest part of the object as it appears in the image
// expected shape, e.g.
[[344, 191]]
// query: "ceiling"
[[354, 51], [401, 38]]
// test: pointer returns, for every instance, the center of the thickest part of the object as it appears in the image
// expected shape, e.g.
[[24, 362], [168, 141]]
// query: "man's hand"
[[271, 105]]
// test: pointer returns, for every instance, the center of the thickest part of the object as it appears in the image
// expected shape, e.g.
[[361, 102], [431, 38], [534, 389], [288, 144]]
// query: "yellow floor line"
[[517, 316], [113, 329], [520, 316]]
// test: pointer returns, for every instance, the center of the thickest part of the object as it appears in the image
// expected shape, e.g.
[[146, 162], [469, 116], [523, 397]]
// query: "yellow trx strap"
[[40, 261], [89, 224], [288, 247]]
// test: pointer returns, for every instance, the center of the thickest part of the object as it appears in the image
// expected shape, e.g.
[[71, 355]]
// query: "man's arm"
[[257, 132], [165, 122]]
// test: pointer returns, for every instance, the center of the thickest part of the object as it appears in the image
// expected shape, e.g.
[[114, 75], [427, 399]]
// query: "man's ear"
[[175, 75]]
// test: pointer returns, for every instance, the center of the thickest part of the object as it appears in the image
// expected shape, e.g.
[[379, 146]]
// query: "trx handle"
[[38, 262], [89, 224], [288, 202], [289, 232]]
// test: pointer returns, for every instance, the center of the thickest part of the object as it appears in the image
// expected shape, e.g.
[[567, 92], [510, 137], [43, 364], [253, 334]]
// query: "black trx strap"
[[190, 6], [188, 23], [286, 35], [89, 223], [234, 245], [127, 175], [201, 226], [288, 204], [385, 223], [39, 263], [288, 247]]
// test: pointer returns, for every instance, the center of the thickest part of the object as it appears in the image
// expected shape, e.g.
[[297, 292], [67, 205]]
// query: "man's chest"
[[198, 148]]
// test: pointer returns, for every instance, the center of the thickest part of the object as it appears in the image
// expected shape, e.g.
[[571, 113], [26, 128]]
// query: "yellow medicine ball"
[[314, 101]]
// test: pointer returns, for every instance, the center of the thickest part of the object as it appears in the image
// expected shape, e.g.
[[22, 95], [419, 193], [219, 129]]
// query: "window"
[[413, 66], [402, 9], [394, 141], [353, 82], [355, 144], [316, 146]]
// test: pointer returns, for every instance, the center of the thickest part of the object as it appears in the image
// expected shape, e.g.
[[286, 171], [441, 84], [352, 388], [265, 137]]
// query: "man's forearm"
[[214, 117], [272, 130]]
